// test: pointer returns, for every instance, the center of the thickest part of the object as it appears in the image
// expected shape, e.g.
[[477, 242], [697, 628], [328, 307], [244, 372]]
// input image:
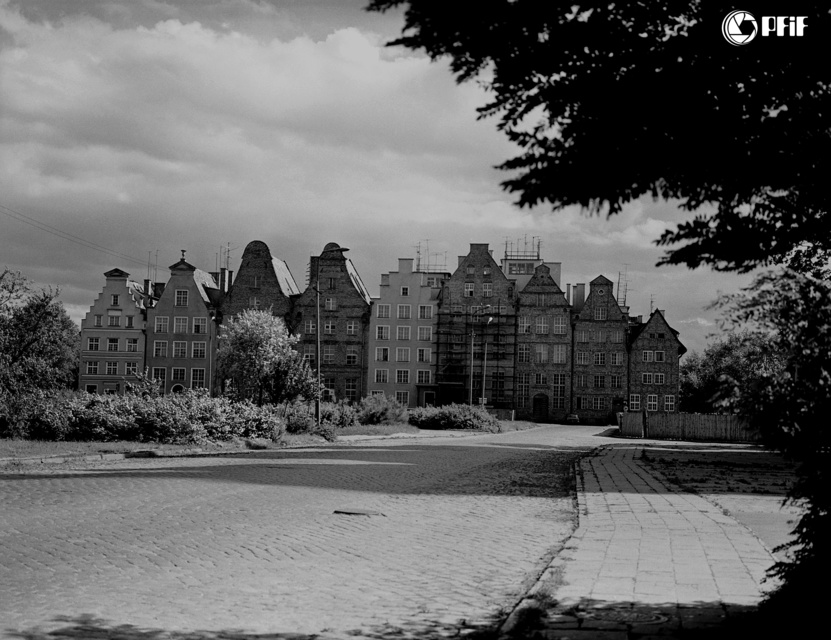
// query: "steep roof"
[[658, 317], [356, 280], [284, 278], [208, 288]]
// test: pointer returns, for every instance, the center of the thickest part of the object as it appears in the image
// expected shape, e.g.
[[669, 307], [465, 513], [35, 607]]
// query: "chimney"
[[223, 280], [568, 293], [148, 289], [579, 296]]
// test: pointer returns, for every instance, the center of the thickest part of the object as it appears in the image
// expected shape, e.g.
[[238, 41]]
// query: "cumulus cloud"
[[150, 126]]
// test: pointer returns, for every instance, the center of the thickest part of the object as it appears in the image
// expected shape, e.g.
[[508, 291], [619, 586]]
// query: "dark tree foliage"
[[792, 407], [38, 340], [38, 345], [612, 101], [734, 363]]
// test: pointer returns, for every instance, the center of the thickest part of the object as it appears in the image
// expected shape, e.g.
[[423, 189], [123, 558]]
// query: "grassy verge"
[[12, 448], [378, 429]]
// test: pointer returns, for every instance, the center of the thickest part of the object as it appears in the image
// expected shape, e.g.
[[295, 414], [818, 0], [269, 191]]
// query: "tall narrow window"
[[181, 297]]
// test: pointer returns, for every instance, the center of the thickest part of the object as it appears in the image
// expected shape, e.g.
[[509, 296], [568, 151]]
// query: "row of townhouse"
[[504, 334]]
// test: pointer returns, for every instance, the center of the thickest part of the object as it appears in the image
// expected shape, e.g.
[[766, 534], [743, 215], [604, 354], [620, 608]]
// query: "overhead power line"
[[64, 235]]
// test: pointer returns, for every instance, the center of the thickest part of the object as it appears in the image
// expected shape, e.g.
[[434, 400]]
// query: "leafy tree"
[[734, 361], [610, 101], [38, 340], [291, 380], [39, 344], [256, 356], [792, 405]]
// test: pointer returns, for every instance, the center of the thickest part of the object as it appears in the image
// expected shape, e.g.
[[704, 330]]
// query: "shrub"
[[380, 409], [300, 417], [339, 415], [247, 420], [192, 417], [454, 416]]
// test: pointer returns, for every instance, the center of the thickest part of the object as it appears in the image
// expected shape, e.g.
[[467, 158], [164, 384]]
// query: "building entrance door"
[[540, 407]]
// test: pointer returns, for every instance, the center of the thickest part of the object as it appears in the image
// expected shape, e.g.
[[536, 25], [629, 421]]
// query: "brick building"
[[336, 308], [476, 332], [401, 335], [599, 379], [262, 282], [543, 350], [182, 329], [112, 334], [654, 354]]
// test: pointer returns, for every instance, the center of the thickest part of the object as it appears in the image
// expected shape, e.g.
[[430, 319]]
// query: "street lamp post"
[[485, 360], [470, 397]]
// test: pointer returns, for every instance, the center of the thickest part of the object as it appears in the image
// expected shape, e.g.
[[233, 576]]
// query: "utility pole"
[[317, 339]]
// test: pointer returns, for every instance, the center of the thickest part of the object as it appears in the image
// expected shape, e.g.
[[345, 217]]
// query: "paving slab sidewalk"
[[647, 560]]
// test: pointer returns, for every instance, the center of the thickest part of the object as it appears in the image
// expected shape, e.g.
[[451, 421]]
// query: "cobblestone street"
[[457, 529]]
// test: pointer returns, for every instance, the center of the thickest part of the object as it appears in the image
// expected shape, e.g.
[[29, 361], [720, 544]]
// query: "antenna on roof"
[[623, 285], [148, 264], [156, 268]]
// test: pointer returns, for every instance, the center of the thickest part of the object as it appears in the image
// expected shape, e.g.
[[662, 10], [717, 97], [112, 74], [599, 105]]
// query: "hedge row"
[[454, 416], [192, 417]]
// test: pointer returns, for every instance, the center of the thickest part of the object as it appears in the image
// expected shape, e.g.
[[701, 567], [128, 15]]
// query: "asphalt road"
[[435, 532]]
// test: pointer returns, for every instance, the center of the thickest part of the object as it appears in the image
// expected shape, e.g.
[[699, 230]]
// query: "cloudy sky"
[[148, 126]]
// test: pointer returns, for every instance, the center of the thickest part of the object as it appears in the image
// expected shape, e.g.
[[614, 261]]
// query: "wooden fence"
[[706, 427]]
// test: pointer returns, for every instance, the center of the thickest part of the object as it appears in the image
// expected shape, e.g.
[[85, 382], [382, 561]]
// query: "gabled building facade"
[[543, 350], [182, 330], [476, 333], [654, 369], [336, 305], [262, 282], [599, 380], [112, 335], [402, 333]]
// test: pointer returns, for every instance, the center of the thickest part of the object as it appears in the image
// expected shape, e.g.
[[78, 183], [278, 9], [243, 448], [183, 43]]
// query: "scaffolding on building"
[[476, 343]]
